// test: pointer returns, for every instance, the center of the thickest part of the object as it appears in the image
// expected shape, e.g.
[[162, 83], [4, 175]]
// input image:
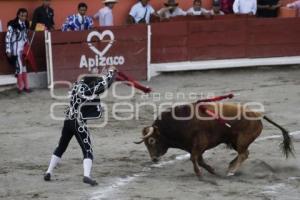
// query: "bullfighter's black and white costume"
[[16, 37], [84, 105]]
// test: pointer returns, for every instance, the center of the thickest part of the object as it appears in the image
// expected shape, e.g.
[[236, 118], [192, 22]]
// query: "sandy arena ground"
[[28, 137]]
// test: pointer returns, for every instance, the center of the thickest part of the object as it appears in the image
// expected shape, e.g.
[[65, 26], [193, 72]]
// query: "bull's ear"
[[145, 130]]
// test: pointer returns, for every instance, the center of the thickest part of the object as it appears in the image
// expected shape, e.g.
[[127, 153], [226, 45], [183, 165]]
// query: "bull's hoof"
[[230, 174], [199, 174], [89, 181], [47, 177], [212, 171]]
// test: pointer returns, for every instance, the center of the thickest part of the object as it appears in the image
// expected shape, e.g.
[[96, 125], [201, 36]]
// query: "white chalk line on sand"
[[282, 190], [275, 189], [121, 182]]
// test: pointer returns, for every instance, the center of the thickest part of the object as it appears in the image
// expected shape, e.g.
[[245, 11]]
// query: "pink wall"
[[64, 8]]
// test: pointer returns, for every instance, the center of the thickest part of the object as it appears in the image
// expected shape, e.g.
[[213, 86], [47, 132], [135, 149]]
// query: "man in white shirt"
[[197, 9], [171, 9], [141, 12], [105, 15], [245, 7]]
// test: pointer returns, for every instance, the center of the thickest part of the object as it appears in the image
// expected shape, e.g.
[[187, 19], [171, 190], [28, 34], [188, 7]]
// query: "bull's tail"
[[286, 145]]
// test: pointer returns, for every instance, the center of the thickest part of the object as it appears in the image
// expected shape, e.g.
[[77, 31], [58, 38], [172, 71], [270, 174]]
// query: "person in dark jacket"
[[267, 8], [84, 105], [43, 15], [226, 6]]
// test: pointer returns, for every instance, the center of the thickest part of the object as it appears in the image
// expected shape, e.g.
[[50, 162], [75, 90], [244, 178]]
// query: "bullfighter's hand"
[[112, 68]]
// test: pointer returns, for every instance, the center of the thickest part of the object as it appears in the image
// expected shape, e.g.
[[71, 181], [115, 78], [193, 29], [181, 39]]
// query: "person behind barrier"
[[245, 7], [105, 15], [267, 8], [84, 105], [43, 15], [226, 6], [216, 9], [295, 5], [171, 9], [16, 38], [197, 9], [141, 13], [79, 21]]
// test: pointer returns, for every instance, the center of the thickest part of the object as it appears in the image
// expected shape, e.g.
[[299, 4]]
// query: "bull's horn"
[[139, 142], [151, 131]]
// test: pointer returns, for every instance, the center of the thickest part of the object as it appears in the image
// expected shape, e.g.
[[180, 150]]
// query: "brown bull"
[[188, 128]]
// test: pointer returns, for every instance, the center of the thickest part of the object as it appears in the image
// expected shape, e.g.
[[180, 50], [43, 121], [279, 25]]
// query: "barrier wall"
[[182, 39], [76, 53], [224, 39]]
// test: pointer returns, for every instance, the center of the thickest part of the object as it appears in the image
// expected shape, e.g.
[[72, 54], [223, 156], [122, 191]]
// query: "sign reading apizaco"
[[100, 60], [76, 53]]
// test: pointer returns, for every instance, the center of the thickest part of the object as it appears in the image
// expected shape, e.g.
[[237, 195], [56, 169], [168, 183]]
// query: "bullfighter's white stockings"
[[87, 167], [53, 163]]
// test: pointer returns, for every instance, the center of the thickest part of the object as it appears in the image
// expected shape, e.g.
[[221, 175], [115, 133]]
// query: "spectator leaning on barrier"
[[141, 12], [105, 15], [79, 21], [197, 9], [43, 15], [171, 9], [226, 6], [267, 8], [245, 7], [295, 5], [16, 38], [216, 9]]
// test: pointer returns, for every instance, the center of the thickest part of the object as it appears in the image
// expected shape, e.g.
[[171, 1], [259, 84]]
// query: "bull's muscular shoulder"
[[174, 117], [178, 111]]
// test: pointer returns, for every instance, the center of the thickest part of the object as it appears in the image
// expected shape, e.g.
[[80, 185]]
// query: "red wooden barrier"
[[225, 38], [216, 39], [272, 38], [196, 38], [169, 42], [74, 54]]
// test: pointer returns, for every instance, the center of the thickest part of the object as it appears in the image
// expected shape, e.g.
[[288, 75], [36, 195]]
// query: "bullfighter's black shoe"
[[47, 177], [90, 181]]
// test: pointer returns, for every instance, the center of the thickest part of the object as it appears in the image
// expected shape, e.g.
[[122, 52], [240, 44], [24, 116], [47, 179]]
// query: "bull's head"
[[152, 139]]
